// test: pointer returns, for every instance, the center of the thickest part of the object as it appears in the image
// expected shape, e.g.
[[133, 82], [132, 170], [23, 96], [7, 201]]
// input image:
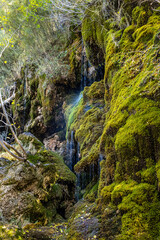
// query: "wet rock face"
[[35, 192], [39, 100], [55, 144]]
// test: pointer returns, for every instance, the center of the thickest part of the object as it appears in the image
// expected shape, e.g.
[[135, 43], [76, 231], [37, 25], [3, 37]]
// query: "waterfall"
[[89, 74], [85, 65], [91, 173], [76, 101], [73, 156], [99, 160], [70, 147], [73, 152]]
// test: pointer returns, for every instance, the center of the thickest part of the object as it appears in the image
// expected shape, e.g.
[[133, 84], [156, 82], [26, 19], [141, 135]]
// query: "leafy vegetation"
[[34, 32]]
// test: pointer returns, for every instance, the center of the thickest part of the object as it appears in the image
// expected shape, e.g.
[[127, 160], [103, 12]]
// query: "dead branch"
[[1, 53], [11, 147], [12, 130], [7, 150], [8, 100]]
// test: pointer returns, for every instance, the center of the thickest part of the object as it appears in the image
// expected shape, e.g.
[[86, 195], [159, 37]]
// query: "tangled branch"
[[4, 144]]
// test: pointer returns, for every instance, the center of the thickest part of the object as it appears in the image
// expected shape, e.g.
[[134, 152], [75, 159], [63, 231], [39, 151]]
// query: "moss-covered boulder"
[[38, 189]]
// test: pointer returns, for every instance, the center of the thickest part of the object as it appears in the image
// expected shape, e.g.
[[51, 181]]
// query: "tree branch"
[[8, 100], [11, 147], [10, 126], [11, 153]]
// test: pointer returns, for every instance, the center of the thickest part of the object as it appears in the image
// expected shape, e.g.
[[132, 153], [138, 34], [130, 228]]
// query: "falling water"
[[85, 81], [89, 74], [87, 176], [72, 151], [77, 100], [78, 155], [70, 147], [99, 166]]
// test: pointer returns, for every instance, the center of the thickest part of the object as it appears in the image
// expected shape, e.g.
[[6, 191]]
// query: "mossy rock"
[[130, 138], [31, 142], [12, 233], [91, 192], [93, 34]]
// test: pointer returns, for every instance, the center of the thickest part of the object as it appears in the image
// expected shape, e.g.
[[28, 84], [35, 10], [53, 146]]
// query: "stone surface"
[[83, 224], [54, 143], [36, 190]]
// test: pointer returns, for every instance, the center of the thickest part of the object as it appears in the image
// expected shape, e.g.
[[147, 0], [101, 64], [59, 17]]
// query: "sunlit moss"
[[130, 137]]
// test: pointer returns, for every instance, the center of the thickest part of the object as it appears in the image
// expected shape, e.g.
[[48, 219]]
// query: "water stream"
[[99, 161], [89, 74]]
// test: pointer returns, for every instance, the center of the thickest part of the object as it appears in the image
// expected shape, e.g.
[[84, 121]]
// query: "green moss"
[[62, 171], [57, 191], [121, 190], [8, 232], [46, 94], [94, 34], [140, 15], [90, 158], [94, 92], [127, 40], [91, 192], [26, 138], [75, 56], [158, 173], [34, 108], [141, 213], [124, 128], [49, 159], [106, 193], [148, 175]]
